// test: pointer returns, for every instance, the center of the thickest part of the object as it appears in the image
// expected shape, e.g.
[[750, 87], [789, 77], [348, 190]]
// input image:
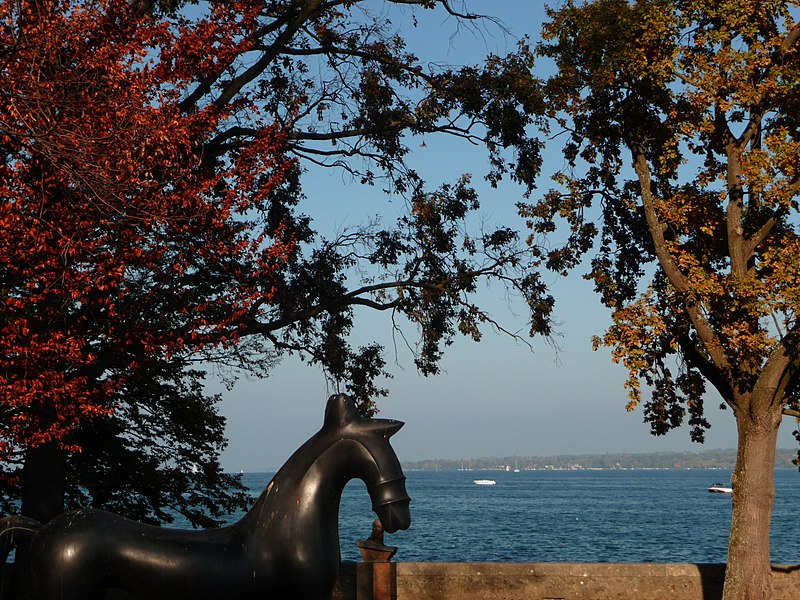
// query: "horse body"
[[82, 553], [285, 547]]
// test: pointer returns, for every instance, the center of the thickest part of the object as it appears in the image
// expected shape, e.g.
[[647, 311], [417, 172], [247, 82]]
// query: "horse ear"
[[340, 410], [385, 427]]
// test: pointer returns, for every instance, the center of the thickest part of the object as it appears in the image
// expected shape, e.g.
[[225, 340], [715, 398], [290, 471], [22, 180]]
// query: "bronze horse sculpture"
[[285, 547]]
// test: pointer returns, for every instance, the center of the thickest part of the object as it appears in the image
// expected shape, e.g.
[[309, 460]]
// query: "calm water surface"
[[566, 516]]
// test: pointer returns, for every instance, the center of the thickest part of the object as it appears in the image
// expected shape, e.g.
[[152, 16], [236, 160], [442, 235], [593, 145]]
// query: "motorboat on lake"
[[484, 482], [720, 488]]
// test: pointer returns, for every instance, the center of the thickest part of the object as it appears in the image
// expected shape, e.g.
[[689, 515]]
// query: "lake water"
[[566, 516]]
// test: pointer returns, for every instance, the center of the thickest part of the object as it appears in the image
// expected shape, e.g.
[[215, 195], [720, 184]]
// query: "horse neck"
[[312, 480]]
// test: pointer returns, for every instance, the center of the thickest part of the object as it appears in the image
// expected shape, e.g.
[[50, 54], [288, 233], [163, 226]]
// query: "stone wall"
[[541, 581], [547, 581]]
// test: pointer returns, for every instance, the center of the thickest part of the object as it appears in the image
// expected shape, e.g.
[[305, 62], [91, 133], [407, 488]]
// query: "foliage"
[[151, 219], [704, 459], [696, 244], [123, 253], [352, 96], [702, 97]]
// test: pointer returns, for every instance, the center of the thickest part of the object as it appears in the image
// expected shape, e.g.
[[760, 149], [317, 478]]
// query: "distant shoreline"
[[703, 459]]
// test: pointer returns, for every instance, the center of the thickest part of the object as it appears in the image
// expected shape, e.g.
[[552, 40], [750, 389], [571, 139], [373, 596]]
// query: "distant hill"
[[704, 459]]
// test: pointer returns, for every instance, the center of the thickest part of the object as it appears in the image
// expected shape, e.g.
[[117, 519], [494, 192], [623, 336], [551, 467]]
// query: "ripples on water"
[[566, 516]]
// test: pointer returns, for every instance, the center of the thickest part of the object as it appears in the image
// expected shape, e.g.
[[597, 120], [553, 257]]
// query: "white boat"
[[484, 482], [720, 488]]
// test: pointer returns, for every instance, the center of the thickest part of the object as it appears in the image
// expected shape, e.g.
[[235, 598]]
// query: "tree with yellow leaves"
[[681, 182]]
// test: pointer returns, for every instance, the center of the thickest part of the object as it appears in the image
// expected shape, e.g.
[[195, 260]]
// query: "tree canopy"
[[122, 252], [151, 218], [680, 191]]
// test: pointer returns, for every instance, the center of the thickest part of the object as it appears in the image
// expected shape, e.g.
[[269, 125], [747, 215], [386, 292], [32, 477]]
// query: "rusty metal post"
[[376, 575]]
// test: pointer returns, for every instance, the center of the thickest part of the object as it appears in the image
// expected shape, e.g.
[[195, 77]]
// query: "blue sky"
[[496, 397]]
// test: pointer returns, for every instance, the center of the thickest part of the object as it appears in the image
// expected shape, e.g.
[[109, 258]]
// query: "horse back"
[[89, 551]]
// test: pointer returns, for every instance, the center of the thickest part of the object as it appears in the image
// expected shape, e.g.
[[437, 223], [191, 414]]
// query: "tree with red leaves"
[[151, 222], [124, 252]]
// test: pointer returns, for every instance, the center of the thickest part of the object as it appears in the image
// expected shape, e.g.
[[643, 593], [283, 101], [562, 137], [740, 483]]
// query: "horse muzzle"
[[392, 504], [395, 515]]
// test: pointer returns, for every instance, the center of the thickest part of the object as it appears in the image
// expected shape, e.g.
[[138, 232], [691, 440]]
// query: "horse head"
[[381, 470]]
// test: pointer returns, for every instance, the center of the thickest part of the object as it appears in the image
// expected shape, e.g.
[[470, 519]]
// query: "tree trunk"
[[44, 482], [749, 575]]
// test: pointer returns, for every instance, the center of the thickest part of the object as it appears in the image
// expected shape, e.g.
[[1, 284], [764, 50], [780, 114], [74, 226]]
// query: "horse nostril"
[[404, 521]]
